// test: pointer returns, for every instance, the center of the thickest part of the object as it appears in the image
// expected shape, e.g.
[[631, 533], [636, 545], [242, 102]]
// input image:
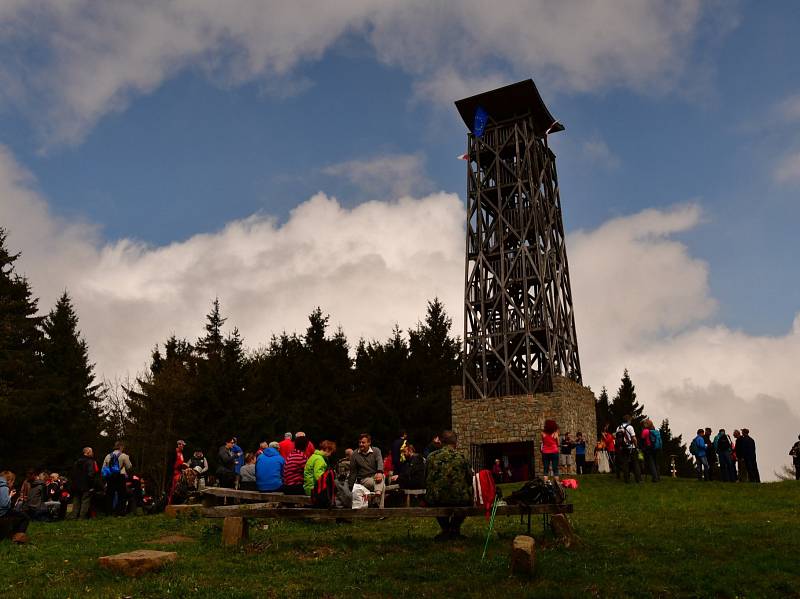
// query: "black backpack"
[[323, 495], [723, 443], [537, 492]]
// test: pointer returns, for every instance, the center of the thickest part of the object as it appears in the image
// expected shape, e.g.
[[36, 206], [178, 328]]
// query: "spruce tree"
[[625, 403], [21, 400], [72, 395], [434, 367], [602, 411], [673, 447]]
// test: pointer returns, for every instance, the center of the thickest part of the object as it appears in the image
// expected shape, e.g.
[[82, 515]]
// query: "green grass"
[[677, 538]]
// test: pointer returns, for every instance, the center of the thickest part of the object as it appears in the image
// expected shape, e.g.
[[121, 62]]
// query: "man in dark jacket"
[[35, 507], [412, 470], [448, 482], [82, 483], [226, 472], [746, 450], [397, 451]]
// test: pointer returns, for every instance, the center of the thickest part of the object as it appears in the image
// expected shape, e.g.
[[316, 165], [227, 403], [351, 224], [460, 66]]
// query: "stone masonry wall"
[[519, 418]]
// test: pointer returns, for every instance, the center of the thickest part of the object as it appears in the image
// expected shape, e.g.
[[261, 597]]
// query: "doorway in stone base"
[[516, 460]]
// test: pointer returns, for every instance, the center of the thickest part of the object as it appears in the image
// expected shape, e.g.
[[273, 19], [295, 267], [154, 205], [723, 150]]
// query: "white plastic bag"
[[360, 497]]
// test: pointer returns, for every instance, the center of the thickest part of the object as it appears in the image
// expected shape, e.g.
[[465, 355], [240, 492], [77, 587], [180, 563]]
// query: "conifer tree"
[[602, 411], [673, 446], [435, 365], [72, 397], [21, 400], [625, 403]]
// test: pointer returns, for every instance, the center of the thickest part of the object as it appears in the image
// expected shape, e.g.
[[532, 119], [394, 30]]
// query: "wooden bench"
[[212, 495], [407, 492], [235, 516]]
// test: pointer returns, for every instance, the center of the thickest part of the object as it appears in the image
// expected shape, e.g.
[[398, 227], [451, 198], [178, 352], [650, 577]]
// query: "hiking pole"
[[491, 526]]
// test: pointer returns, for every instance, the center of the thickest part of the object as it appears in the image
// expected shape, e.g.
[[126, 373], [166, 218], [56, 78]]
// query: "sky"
[[155, 155]]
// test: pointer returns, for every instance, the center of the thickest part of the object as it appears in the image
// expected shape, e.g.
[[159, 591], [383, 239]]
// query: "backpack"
[[536, 492], [113, 466], [323, 495], [693, 447], [655, 439], [623, 438], [723, 443]]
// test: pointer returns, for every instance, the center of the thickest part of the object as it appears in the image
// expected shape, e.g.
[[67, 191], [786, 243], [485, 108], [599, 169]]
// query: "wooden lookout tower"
[[519, 328]]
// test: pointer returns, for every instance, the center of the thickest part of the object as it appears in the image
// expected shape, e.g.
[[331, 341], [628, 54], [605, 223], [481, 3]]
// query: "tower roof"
[[515, 100]]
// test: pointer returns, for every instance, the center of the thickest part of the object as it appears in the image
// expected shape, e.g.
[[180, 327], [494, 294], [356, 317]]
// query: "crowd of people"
[[294, 465], [626, 453]]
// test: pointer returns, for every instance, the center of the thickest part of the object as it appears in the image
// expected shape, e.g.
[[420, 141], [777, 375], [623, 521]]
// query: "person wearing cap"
[[286, 446], [177, 468]]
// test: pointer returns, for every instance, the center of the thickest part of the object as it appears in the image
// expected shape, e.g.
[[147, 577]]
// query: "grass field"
[[677, 538]]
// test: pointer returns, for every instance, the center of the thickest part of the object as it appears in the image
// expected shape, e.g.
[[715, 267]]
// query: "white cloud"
[[788, 171], [390, 175], [642, 301], [789, 108], [598, 152], [92, 58]]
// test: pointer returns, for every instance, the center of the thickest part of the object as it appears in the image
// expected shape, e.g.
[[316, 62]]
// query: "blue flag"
[[481, 118]]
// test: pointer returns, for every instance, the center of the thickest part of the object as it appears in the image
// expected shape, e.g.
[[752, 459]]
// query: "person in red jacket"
[[177, 468], [286, 446]]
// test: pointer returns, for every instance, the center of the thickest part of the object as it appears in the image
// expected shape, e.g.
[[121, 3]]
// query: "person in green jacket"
[[317, 464]]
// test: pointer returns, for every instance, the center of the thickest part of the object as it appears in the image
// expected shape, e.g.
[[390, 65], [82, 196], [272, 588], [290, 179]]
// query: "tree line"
[[207, 389]]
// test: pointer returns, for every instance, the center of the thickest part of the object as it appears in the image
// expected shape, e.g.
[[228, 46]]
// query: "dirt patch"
[[315, 554], [170, 540]]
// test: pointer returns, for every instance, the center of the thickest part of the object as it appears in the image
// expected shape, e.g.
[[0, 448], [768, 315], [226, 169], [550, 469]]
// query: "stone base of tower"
[[510, 427]]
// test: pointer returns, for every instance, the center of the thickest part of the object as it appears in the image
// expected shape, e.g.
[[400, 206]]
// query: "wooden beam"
[[257, 496], [256, 510]]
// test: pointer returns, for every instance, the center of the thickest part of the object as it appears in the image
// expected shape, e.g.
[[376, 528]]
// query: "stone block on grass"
[[234, 530], [523, 555], [136, 563], [562, 528]]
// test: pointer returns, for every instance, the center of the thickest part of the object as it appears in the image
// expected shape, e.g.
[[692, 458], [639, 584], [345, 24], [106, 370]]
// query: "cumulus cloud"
[[597, 151], [642, 301], [71, 63], [390, 175], [788, 170]]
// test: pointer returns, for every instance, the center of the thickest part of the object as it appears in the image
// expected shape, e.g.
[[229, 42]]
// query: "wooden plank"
[[261, 511], [257, 496]]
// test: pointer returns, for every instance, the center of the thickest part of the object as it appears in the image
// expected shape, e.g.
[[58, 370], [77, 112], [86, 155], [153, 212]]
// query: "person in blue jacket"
[[701, 458], [269, 470], [238, 454]]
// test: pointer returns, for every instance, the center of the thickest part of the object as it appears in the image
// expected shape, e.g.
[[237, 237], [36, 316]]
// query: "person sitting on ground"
[[186, 484], [343, 466], [434, 445], [448, 482], [226, 469], [247, 475], [317, 464], [310, 449], [286, 446], [57, 497], [199, 464], [550, 449], [16, 522], [366, 466], [269, 470], [82, 483], [795, 453], [412, 470], [294, 470]]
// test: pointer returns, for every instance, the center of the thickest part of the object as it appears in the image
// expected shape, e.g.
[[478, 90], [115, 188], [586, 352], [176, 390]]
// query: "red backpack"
[[323, 495]]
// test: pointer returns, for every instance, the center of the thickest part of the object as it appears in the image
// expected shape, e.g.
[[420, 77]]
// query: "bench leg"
[[234, 530]]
